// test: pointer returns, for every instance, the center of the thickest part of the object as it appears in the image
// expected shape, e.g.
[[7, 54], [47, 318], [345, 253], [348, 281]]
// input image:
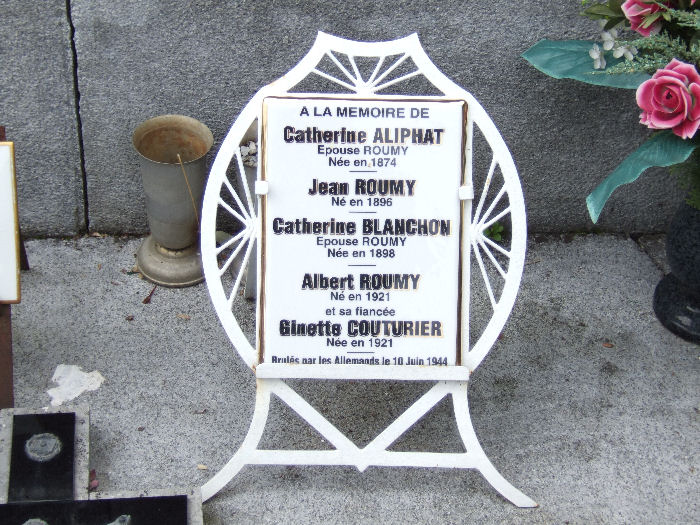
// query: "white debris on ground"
[[72, 382]]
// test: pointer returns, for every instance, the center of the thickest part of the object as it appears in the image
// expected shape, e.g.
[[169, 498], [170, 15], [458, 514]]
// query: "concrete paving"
[[586, 403]]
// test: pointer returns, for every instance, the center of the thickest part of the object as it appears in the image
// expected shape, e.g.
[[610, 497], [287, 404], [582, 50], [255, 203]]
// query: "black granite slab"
[[41, 459], [159, 510]]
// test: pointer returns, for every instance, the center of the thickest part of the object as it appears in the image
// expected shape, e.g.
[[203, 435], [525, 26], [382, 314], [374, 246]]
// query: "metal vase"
[[172, 156]]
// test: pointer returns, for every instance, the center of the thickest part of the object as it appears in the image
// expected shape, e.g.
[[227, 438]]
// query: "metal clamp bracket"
[[466, 193], [261, 187]]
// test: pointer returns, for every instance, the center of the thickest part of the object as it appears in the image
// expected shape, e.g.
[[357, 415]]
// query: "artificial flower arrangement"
[[652, 46]]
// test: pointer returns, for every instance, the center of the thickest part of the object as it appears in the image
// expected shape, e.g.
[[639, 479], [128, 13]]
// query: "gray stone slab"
[[81, 455], [586, 403], [206, 60], [37, 106]]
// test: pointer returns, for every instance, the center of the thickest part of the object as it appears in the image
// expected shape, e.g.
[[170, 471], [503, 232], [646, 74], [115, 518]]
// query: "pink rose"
[[670, 99], [637, 12]]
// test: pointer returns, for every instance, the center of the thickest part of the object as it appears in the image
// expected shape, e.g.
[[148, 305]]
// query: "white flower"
[[627, 51], [608, 38], [598, 56]]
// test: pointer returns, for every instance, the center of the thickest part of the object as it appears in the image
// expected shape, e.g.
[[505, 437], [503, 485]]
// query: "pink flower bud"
[[637, 12]]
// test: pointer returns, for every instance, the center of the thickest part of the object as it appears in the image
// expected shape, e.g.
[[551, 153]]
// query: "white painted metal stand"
[[228, 261], [373, 454]]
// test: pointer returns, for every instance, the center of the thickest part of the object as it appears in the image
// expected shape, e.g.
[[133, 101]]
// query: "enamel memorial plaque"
[[361, 231], [9, 227]]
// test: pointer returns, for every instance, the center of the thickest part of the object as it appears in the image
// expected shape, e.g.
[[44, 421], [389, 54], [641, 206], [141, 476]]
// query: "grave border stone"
[[81, 464], [81, 446], [194, 499], [450, 380]]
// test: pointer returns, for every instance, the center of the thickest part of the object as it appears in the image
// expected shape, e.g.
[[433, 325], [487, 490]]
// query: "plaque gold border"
[[263, 208]]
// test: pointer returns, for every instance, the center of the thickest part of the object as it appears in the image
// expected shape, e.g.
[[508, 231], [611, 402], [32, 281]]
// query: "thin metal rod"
[[235, 252], [333, 79], [244, 182], [355, 69], [232, 297], [497, 198], [312, 416], [485, 276], [235, 196], [409, 418], [491, 257], [189, 189], [396, 64], [232, 240], [380, 61], [229, 209], [396, 80], [497, 247], [342, 67], [382, 458], [496, 218], [485, 190]]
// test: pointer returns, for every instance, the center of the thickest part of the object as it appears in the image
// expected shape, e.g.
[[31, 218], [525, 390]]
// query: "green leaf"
[[570, 59], [613, 22], [661, 149], [600, 10], [494, 232], [651, 19], [616, 5]]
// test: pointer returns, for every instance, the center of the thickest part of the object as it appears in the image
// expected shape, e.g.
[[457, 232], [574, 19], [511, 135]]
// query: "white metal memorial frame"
[[365, 70]]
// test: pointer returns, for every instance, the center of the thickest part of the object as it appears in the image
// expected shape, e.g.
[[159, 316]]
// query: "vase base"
[[677, 309], [171, 268]]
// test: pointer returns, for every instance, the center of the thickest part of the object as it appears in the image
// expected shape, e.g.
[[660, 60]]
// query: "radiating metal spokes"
[[237, 214], [387, 71], [490, 255]]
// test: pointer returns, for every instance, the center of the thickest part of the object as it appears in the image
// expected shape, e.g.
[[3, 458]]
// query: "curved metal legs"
[[482, 463], [250, 443], [374, 453]]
